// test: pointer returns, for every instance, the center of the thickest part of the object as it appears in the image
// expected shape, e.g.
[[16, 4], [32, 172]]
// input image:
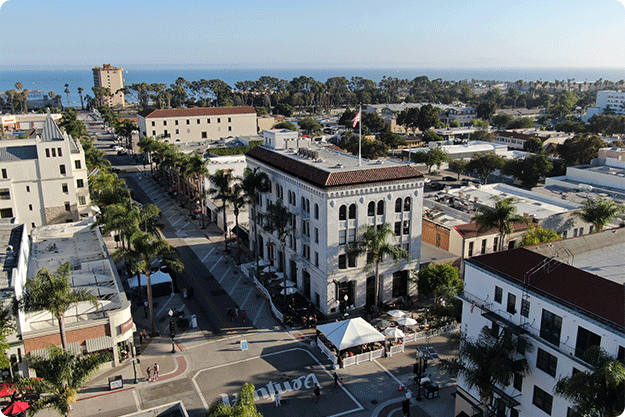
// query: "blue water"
[[55, 79]]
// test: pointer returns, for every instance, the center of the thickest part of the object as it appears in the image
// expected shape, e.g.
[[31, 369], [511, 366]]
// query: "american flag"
[[356, 119]]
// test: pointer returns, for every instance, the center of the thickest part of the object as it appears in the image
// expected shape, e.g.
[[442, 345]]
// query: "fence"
[[349, 361], [277, 313], [395, 350]]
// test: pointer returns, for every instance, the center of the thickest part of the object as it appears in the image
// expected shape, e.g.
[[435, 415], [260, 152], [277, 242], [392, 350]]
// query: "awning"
[[73, 347], [99, 343]]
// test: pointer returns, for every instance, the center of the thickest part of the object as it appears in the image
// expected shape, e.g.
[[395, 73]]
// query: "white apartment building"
[[563, 297], [108, 76], [333, 196], [198, 123], [43, 180], [614, 100]]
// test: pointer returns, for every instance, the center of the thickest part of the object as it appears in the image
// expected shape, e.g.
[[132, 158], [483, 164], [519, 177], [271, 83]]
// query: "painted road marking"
[[260, 310], [224, 275], [248, 296], [219, 260], [207, 255], [176, 222], [236, 283]]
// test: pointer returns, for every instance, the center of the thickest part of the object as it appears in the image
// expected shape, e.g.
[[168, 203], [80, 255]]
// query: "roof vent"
[[339, 165]]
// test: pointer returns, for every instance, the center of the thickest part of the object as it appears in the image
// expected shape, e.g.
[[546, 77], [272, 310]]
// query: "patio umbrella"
[[287, 284], [6, 389], [407, 321], [393, 332], [396, 313], [380, 322], [16, 408], [289, 290]]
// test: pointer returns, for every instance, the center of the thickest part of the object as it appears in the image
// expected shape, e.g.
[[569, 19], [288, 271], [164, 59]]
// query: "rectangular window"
[[525, 308], [5, 194], [188, 121], [438, 240], [229, 128], [82, 200], [574, 232], [62, 169], [28, 188], [65, 188], [351, 260], [68, 206], [317, 259], [498, 294], [30, 207], [316, 235], [218, 120], [564, 234], [176, 122], [47, 153], [164, 122], [581, 231], [80, 183], [4, 173], [53, 151], [6, 213], [153, 123], [77, 164], [154, 133], [208, 121], [511, 244], [495, 244], [517, 383], [60, 151], [551, 327], [229, 119], [398, 228], [351, 235], [342, 237], [343, 261], [204, 135], [177, 131], [406, 230], [542, 400], [545, 361], [165, 133], [511, 308], [483, 246], [470, 253], [585, 340], [198, 121]]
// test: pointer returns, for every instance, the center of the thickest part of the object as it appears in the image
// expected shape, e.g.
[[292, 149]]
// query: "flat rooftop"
[[10, 245]]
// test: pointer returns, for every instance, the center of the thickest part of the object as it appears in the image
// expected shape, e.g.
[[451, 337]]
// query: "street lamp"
[[172, 329], [419, 369], [135, 360]]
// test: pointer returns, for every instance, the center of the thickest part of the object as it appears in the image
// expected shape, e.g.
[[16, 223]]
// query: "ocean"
[[55, 79]]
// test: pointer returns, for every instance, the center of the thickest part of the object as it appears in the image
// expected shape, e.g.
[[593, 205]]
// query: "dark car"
[[122, 152], [437, 186], [470, 181], [448, 178], [116, 170]]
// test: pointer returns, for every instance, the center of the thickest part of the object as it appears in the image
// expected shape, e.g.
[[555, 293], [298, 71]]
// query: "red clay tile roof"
[[335, 148], [516, 135], [196, 111], [471, 229], [565, 284], [325, 179]]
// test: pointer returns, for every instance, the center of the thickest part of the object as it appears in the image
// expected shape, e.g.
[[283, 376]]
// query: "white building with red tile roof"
[[198, 123], [332, 196]]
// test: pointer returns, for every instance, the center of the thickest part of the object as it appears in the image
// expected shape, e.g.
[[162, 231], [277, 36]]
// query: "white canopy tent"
[[349, 333], [158, 277]]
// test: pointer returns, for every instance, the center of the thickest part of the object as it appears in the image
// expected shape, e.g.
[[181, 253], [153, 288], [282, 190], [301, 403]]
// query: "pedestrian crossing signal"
[[172, 328]]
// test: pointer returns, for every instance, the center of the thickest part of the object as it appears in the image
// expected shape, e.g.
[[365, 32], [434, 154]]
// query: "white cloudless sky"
[[315, 33]]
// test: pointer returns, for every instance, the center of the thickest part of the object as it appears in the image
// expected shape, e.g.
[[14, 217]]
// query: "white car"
[[118, 148]]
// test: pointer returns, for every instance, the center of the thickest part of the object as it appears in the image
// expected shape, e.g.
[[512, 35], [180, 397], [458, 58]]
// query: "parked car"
[[437, 186], [470, 181], [448, 178], [122, 152]]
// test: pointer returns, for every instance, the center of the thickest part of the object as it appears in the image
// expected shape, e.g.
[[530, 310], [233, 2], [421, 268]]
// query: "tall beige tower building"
[[108, 76]]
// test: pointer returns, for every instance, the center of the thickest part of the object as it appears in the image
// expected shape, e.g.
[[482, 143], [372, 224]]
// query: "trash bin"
[[193, 321], [116, 382]]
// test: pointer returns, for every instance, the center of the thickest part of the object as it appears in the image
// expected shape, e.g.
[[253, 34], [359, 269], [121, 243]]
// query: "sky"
[[314, 33]]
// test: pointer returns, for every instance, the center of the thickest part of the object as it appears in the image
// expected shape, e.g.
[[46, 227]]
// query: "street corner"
[[292, 372]]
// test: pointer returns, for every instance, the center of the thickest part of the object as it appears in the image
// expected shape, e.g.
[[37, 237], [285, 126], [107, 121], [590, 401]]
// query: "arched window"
[[352, 211], [380, 207], [407, 204], [316, 211], [398, 203], [303, 204], [343, 212], [371, 209]]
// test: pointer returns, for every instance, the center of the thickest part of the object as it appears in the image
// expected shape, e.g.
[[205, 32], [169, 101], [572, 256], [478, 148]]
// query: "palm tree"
[[598, 212], [598, 392], [144, 251], [195, 168], [10, 95], [60, 376], [148, 145], [501, 217], [486, 362], [222, 181], [82, 101], [374, 241], [238, 200], [66, 91], [279, 220], [255, 183], [52, 292]]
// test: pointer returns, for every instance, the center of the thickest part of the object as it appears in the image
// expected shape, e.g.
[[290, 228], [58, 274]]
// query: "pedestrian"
[[140, 338], [317, 393], [336, 379], [277, 397], [405, 407], [149, 374], [236, 311], [156, 370], [231, 315], [243, 315]]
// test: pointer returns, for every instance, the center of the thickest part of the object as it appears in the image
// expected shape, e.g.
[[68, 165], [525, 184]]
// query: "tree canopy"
[[244, 407], [537, 235], [599, 212], [483, 165], [439, 280], [581, 149]]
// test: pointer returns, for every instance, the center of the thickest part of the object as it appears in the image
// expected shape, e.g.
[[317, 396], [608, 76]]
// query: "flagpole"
[[359, 134]]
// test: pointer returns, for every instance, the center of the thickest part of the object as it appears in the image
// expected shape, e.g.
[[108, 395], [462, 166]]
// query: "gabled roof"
[[196, 111], [471, 229], [326, 179], [51, 131], [588, 293], [18, 153]]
